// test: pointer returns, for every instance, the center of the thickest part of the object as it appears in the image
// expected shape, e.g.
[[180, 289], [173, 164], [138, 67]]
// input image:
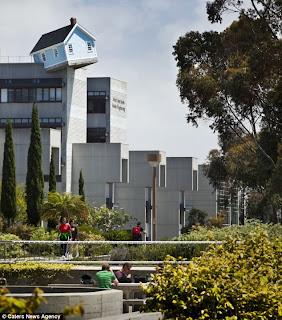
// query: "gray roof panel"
[[52, 38]]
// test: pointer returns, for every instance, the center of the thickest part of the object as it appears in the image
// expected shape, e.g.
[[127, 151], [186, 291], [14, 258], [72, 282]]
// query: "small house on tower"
[[71, 46]]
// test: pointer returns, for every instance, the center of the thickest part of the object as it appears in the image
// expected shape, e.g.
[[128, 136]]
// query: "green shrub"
[[13, 250], [118, 235], [153, 252], [92, 251], [238, 280], [35, 272], [88, 229], [41, 234], [242, 231], [23, 231]]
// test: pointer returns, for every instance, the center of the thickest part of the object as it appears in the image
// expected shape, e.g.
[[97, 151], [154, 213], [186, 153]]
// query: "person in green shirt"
[[104, 278]]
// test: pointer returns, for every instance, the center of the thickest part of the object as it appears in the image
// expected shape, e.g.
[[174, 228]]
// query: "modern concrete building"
[[84, 123]]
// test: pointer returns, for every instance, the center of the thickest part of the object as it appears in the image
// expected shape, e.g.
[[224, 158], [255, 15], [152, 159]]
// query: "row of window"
[[70, 49], [96, 93], [22, 95], [29, 120]]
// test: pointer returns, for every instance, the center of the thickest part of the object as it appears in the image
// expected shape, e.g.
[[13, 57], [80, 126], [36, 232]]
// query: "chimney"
[[73, 21]]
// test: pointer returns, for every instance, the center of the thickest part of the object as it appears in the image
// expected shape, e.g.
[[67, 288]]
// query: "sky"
[[134, 41]]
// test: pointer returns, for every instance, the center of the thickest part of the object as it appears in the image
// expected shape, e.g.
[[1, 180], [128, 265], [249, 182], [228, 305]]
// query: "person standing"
[[64, 234], [74, 237], [104, 278], [122, 275], [137, 232]]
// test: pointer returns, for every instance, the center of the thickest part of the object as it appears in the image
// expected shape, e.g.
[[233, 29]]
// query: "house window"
[[89, 47], [56, 53], [43, 56], [70, 48]]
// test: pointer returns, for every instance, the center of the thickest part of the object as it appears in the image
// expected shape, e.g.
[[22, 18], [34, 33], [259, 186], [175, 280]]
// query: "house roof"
[[52, 38]]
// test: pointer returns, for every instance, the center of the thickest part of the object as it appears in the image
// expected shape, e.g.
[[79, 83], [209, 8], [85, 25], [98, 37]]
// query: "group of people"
[[106, 277], [68, 232]]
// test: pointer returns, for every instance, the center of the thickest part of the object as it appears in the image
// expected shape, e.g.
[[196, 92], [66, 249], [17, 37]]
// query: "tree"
[[233, 79], [65, 205], [269, 11], [81, 186], [106, 219], [197, 217], [34, 177], [8, 192], [21, 216], [52, 175]]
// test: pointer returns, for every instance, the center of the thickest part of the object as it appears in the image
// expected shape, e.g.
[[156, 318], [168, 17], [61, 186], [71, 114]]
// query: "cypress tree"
[[52, 175], [34, 177], [81, 186], [8, 194]]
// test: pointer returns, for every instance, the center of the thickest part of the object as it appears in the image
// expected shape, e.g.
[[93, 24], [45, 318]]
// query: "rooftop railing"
[[94, 252], [16, 59]]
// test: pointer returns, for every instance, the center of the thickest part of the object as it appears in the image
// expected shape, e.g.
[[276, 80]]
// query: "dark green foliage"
[[89, 229], [196, 218], [81, 186], [118, 235], [8, 194], [23, 231], [34, 177], [52, 175]]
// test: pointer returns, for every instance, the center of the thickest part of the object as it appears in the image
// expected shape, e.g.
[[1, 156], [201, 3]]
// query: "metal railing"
[[16, 59], [81, 252]]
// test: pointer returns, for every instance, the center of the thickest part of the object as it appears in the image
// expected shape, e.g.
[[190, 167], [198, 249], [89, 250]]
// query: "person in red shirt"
[[64, 233]]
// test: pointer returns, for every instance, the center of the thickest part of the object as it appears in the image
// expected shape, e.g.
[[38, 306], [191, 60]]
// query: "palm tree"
[[65, 205]]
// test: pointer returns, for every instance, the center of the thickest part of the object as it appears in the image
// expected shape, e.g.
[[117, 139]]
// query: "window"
[[56, 53], [26, 95], [96, 135], [4, 95], [43, 56], [11, 95], [58, 94], [70, 48], [89, 46], [96, 106], [46, 94], [39, 95], [18, 95], [52, 94]]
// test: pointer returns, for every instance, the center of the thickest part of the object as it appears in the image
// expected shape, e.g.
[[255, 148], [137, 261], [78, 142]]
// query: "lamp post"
[[154, 160]]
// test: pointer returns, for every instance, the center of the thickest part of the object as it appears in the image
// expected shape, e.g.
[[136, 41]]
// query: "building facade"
[[84, 123]]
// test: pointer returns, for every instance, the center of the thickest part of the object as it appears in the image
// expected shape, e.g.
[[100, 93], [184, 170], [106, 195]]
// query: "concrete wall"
[[118, 117], [180, 173], [75, 121], [203, 199], [101, 163]]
